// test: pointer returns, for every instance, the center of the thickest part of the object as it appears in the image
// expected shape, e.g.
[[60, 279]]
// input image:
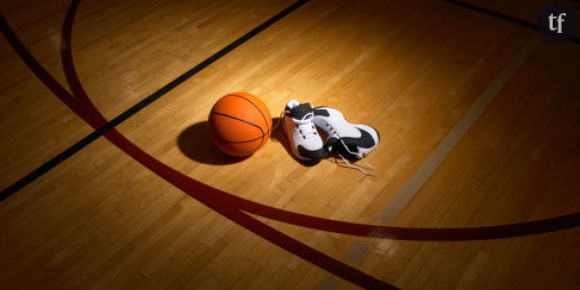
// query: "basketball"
[[240, 124]]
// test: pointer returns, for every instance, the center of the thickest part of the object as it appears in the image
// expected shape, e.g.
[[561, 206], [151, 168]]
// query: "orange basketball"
[[240, 124]]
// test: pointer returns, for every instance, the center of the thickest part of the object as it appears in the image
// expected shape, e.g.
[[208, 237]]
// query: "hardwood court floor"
[[101, 220]]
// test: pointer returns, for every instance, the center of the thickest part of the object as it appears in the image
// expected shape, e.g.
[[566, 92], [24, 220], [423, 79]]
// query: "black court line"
[[38, 172], [505, 17]]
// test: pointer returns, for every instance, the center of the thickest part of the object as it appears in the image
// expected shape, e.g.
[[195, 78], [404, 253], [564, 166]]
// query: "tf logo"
[[557, 22]]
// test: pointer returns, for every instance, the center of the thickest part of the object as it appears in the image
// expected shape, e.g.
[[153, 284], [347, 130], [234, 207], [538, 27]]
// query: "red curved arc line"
[[230, 205], [82, 101], [538, 226], [377, 231], [309, 221], [190, 186], [96, 120], [211, 197], [365, 230], [416, 234]]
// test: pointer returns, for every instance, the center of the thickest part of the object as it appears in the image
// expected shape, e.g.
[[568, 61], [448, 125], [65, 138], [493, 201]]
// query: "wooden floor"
[[412, 69]]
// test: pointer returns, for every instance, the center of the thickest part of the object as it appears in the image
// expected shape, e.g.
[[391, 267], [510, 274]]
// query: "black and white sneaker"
[[349, 141], [304, 140]]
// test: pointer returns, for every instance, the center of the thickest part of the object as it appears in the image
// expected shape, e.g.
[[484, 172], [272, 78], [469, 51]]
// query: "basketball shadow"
[[196, 144], [278, 135]]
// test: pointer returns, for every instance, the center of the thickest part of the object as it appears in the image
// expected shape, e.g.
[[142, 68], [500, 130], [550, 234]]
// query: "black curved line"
[[237, 142], [255, 106], [244, 121], [261, 113], [239, 119]]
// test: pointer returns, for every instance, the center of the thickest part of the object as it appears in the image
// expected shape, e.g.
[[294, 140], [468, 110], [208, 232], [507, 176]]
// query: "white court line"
[[408, 191]]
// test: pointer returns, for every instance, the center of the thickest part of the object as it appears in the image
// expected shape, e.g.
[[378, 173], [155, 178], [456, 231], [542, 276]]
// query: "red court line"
[[375, 231], [231, 206], [218, 201]]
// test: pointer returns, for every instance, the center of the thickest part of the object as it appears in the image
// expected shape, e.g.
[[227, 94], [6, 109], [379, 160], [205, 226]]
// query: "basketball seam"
[[264, 136], [261, 138], [255, 106], [236, 142]]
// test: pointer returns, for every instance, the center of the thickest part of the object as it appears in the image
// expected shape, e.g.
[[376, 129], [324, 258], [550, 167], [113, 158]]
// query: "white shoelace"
[[306, 126], [349, 164], [361, 158]]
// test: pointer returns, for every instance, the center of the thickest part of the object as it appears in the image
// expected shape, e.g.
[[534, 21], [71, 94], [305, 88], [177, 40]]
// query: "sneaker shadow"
[[278, 135], [196, 144]]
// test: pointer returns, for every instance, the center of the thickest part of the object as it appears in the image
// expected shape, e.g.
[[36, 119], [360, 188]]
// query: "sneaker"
[[304, 140], [349, 141]]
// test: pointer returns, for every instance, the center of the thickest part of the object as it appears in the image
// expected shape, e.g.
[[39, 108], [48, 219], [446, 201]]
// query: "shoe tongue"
[[301, 111]]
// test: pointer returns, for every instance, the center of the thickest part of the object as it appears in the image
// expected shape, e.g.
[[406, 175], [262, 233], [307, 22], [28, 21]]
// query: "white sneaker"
[[349, 141], [304, 140]]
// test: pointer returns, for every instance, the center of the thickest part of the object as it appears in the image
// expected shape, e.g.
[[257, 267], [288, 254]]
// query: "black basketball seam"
[[236, 142], [243, 121], [255, 106], [261, 113], [239, 119]]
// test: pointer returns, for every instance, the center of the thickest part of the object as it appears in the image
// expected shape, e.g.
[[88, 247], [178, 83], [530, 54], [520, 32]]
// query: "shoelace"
[[279, 120], [333, 133], [349, 164], [354, 166], [306, 126]]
